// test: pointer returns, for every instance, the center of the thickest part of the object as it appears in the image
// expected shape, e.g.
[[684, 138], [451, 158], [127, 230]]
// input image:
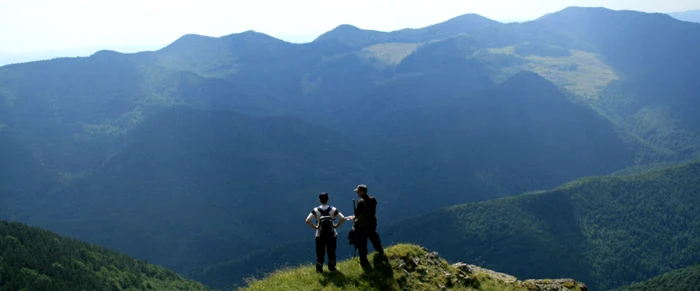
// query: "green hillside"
[[404, 267], [686, 279], [647, 223], [36, 259]]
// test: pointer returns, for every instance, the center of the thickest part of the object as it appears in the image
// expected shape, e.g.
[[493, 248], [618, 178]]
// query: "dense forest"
[[36, 259], [686, 279]]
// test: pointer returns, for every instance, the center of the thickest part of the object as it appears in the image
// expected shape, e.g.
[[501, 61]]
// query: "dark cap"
[[323, 196], [361, 187]]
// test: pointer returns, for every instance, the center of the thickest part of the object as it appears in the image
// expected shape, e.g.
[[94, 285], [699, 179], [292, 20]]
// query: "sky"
[[34, 26]]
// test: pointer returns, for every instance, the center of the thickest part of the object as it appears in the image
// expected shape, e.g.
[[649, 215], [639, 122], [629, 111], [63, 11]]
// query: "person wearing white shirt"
[[326, 235]]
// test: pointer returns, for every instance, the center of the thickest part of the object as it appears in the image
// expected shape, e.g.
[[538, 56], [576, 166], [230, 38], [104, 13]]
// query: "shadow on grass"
[[382, 275], [336, 278]]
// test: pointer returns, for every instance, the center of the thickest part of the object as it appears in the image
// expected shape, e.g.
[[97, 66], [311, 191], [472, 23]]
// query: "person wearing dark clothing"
[[365, 224], [326, 235]]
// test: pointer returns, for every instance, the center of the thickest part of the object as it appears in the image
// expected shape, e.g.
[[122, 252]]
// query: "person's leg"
[[331, 245], [376, 241], [320, 249], [362, 246]]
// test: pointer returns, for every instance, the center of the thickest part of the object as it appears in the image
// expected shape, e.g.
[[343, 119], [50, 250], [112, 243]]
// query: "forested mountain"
[[36, 259], [686, 279], [191, 186], [647, 223], [174, 151], [22, 176]]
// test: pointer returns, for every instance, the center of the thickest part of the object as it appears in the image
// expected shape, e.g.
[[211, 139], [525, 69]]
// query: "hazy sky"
[[42, 25]]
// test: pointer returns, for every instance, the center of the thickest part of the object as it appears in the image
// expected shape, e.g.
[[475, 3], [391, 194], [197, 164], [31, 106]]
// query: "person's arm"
[[341, 219], [309, 222]]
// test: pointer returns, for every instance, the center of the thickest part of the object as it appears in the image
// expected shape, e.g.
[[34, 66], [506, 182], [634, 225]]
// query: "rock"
[[493, 274], [448, 275], [432, 256], [582, 286], [463, 267], [416, 261]]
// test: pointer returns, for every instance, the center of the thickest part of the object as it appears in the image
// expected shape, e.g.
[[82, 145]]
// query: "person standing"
[[365, 224], [326, 235]]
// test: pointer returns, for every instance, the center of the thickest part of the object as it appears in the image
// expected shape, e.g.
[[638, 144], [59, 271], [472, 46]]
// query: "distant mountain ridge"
[[690, 16], [358, 38]]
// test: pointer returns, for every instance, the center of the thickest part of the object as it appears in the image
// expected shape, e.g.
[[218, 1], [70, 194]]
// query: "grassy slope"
[[36, 259], [647, 223], [686, 279], [394, 271], [581, 72]]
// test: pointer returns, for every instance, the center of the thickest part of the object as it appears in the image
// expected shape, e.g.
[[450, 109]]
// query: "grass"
[[582, 73], [395, 271], [391, 53], [350, 276]]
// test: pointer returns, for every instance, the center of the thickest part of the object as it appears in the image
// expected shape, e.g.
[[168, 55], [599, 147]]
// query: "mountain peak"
[[470, 19], [350, 34], [407, 267], [346, 27], [105, 52], [249, 33], [188, 40]]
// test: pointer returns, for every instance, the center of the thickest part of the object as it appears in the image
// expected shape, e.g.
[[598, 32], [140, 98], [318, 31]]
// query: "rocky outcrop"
[[461, 274]]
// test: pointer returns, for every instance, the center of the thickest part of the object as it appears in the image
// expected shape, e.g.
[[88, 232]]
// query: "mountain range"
[[207, 150]]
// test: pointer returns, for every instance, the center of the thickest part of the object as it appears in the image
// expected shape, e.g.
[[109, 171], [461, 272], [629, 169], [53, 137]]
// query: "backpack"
[[325, 223]]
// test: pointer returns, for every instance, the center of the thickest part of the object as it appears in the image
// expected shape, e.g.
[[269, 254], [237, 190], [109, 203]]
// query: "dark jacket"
[[365, 214]]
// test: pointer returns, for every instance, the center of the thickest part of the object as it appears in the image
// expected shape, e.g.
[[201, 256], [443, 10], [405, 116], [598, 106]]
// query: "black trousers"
[[324, 245], [362, 236]]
